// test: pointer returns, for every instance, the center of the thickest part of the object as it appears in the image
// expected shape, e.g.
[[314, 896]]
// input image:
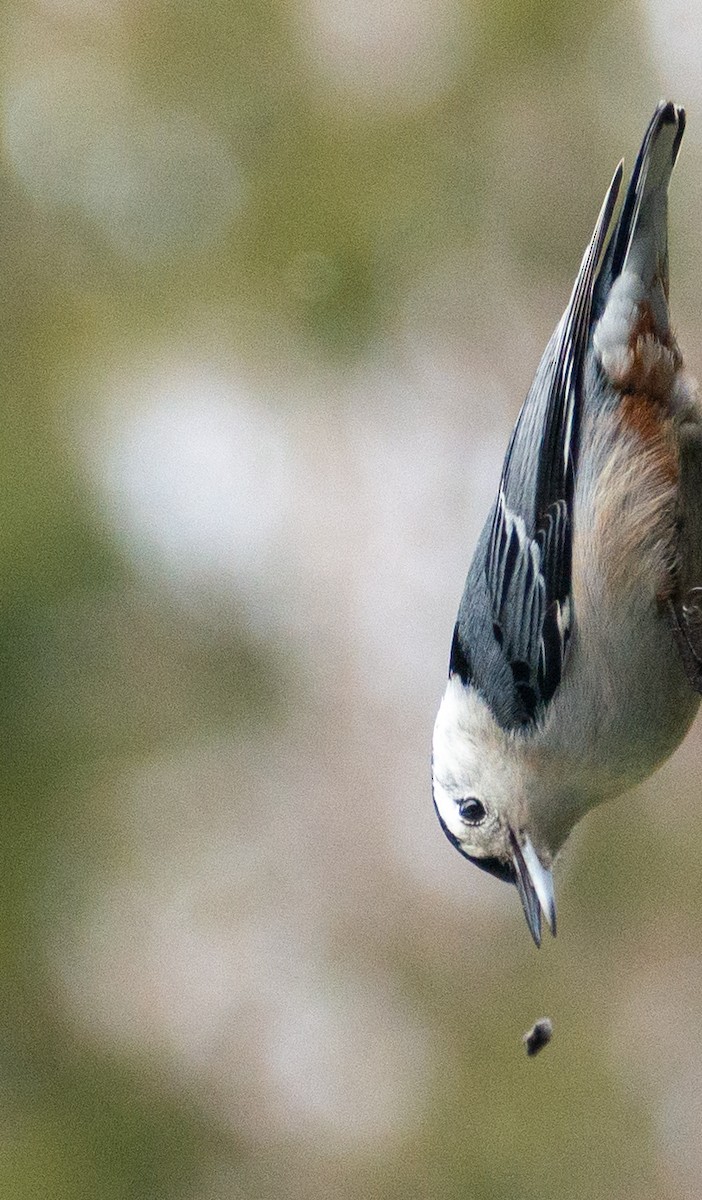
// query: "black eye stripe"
[[471, 811]]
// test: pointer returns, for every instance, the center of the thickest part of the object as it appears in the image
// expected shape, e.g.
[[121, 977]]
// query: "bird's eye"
[[471, 811]]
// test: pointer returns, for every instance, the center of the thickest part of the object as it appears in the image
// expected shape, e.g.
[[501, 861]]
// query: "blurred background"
[[275, 276]]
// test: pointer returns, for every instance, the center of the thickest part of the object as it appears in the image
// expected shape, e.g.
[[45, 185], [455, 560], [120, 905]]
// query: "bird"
[[575, 666]]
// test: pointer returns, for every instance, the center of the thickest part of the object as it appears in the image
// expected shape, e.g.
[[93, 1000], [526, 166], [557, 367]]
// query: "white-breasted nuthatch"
[[576, 659]]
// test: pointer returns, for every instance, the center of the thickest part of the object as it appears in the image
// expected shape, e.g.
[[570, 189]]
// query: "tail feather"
[[639, 244], [630, 309]]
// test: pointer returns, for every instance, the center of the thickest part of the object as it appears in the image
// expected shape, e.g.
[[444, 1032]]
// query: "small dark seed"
[[538, 1036]]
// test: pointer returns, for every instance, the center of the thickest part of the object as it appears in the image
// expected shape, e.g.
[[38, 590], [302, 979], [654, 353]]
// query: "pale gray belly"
[[624, 703]]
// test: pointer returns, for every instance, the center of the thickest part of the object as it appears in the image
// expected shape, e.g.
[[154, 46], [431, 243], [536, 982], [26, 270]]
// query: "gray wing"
[[514, 622]]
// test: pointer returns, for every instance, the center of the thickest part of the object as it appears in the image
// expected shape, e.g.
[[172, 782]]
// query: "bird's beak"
[[535, 886]]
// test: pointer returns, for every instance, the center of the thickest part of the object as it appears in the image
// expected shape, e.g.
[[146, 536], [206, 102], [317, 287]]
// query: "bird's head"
[[478, 783]]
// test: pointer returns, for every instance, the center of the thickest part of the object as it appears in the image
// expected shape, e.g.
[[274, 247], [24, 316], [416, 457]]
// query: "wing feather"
[[527, 545]]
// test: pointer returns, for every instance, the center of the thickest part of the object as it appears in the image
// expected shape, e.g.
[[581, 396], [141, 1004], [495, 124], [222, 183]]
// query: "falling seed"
[[538, 1036]]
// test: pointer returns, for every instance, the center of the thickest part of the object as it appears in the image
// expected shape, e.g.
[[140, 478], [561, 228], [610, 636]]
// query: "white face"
[[470, 776], [478, 783]]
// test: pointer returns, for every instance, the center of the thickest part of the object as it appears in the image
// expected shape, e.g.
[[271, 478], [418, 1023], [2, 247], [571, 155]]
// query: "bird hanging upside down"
[[576, 662]]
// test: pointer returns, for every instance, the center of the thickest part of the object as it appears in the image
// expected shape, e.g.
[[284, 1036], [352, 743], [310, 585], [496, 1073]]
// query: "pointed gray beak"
[[535, 886]]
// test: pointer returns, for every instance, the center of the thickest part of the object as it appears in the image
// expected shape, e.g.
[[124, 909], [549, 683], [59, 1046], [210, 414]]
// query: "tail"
[[640, 240], [631, 292]]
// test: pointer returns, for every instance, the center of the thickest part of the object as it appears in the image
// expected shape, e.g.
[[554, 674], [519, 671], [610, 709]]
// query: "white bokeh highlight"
[[381, 53], [81, 139], [197, 469]]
